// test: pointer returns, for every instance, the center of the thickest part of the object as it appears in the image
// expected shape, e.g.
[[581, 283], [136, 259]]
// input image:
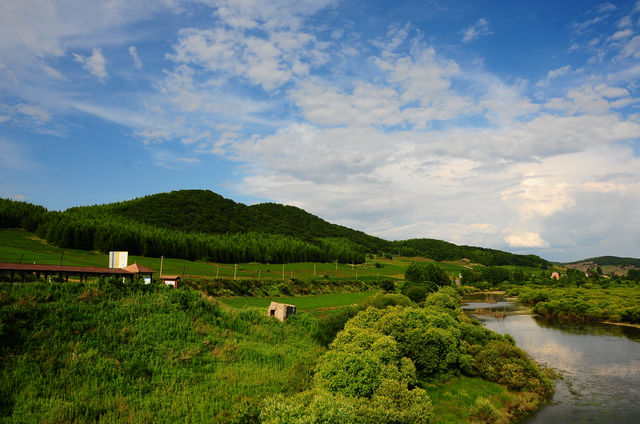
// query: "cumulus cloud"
[[528, 239], [475, 31], [595, 100], [95, 64]]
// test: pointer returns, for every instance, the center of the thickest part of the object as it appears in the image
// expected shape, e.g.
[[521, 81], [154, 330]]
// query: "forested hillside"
[[206, 212], [444, 251], [610, 260], [202, 225]]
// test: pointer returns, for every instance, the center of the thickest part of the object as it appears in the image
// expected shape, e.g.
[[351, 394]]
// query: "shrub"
[[442, 300], [430, 337], [417, 293], [504, 363]]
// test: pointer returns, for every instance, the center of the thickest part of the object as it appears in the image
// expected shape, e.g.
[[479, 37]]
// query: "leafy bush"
[[442, 300], [416, 292], [430, 337], [504, 363]]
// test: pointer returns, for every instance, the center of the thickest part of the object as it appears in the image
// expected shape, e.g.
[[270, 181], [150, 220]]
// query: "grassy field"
[[303, 303], [454, 400], [17, 245]]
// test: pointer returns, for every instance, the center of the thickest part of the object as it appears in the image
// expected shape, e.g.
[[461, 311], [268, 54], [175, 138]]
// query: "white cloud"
[[618, 35], [631, 48], [475, 31], [134, 55], [624, 22], [153, 136], [248, 14], [270, 63], [95, 64], [528, 239], [594, 100], [35, 112], [606, 7], [53, 73], [553, 74]]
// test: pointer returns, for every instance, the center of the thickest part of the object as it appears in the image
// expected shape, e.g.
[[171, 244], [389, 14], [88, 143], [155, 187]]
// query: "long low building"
[[64, 271]]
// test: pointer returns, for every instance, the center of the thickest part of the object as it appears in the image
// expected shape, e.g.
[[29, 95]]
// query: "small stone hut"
[[281, 310]]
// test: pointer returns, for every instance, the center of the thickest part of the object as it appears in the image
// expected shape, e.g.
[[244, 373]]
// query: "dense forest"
[[203, 211], [202, 225]]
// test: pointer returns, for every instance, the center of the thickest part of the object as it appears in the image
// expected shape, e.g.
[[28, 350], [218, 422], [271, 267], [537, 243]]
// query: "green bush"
[[504, 363], [442, 300], [416, 292]]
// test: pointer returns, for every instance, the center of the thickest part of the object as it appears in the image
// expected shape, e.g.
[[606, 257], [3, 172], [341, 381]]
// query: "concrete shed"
[[281, 310]]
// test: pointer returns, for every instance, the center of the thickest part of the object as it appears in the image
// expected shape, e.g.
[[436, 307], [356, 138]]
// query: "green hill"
[[200, 224], [609, 260], [207, 212]]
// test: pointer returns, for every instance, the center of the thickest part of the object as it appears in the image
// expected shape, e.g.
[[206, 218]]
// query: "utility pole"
[[235, 271], [161, 261], [282, 272]]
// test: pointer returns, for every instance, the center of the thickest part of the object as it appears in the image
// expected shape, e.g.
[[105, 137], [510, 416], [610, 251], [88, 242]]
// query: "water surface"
[[600, 364]]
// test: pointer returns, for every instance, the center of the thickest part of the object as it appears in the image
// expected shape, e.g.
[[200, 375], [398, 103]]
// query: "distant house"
[[170, 280], [555, 276], [281, 310]]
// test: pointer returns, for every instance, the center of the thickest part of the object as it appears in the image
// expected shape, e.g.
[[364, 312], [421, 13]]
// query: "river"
[[600, 364]]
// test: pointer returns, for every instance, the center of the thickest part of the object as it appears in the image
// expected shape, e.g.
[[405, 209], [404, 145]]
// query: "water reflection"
[[600, 363]]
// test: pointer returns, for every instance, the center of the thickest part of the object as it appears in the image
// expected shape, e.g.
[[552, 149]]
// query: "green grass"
[[452, 401], [303, 303], [91, 352]]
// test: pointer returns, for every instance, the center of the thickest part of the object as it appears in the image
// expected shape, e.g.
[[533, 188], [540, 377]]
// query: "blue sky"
[[512, 125]]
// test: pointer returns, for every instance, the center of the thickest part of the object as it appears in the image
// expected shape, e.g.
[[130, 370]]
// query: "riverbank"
[[599, 366], [613, 304]]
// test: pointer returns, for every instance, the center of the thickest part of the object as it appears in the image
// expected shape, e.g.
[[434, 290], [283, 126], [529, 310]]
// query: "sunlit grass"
[[454, 400], [303, 303]]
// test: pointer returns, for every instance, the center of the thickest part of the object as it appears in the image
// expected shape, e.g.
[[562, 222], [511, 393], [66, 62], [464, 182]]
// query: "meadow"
[[18, 245]]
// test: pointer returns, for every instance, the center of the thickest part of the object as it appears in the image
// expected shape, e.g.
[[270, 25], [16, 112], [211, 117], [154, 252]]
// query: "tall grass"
[[108, 352]]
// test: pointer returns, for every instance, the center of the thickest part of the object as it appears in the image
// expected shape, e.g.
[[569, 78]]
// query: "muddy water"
[[600, 364]]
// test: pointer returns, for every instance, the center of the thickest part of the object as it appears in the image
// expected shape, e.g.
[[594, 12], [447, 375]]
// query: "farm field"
[[17, 245]]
